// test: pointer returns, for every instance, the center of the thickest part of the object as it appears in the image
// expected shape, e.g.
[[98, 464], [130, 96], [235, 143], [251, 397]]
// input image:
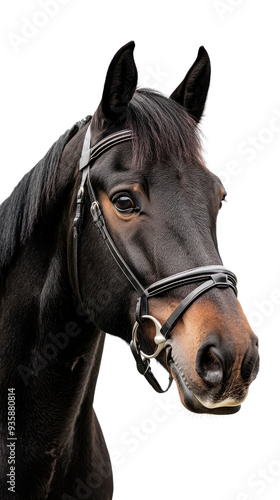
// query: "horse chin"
[[193, 403]]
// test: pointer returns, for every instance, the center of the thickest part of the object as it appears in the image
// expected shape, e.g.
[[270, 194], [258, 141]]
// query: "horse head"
[[159, 205]]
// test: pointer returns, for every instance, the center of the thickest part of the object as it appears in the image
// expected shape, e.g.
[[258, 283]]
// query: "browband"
[[91, 154]]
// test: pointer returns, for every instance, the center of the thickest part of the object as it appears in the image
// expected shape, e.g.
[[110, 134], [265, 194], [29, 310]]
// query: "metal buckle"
[[80, 194], [159, 339], [95, 211]]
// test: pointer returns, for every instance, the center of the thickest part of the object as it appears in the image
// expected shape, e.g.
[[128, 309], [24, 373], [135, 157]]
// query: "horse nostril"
[[209, 364], [250, 363], [213, 363]]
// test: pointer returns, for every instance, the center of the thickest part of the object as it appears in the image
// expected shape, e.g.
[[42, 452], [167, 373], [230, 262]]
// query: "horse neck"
[[50, 353]]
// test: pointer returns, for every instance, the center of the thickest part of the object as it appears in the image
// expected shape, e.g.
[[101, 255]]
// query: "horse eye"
[[123, 203]]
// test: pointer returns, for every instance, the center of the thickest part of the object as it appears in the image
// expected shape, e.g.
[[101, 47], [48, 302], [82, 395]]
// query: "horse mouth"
[[192, 402]]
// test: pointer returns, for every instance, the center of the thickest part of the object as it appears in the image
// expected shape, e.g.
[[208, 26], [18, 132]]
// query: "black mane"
[[20, 212], [162, 129]]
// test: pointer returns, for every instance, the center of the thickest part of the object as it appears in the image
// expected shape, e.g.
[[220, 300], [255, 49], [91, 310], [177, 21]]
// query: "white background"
[[54, 78]]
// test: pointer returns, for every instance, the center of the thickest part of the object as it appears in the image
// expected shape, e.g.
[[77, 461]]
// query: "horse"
[[114, 231]]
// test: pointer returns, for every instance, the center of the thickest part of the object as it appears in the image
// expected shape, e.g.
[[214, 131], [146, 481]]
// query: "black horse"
[[125, 242]]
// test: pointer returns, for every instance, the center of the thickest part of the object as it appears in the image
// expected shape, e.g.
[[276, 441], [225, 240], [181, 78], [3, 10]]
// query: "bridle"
[[207, 276]]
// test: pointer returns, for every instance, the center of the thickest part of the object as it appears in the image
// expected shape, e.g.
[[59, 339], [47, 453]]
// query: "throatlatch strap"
[[84, 167], [85, 156]]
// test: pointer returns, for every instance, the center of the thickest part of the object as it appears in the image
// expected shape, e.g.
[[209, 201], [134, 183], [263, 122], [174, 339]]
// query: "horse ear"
[[192, 92], [120, 83]]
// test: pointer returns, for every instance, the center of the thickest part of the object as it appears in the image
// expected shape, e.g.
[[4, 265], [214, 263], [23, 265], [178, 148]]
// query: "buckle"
[[143, 360], [98, 219], [80, 195], [95, 211], [159, 339]]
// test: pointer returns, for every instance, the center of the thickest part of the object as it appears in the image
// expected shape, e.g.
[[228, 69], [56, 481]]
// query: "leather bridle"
[[207, 276]]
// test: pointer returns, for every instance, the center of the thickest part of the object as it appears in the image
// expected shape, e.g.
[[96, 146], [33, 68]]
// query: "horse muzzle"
[[188, 398], [212, 374]]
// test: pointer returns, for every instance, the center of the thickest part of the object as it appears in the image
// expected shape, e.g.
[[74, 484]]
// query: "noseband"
[[208, 276]]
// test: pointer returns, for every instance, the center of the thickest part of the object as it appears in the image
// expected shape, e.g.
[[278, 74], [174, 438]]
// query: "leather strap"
[[143, 367], [227, 279], [98, 219], [84, 167], [190, 276], [216, 280], [89, 155]]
